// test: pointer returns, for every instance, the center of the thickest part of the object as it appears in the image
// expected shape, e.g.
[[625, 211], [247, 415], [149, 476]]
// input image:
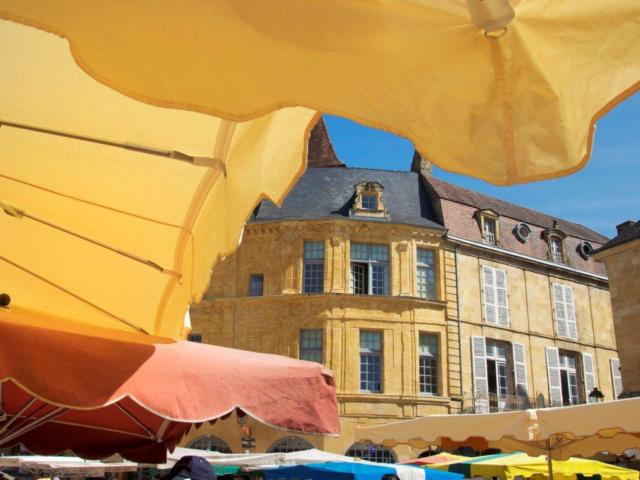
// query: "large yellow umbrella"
[[112, 211], [501, 98]]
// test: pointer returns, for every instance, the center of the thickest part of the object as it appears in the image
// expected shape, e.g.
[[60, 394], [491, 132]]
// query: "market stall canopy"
[[556, 432], [66, 465], [101, 393], [437, 458], [517, 104], [510, 466], [112, 210], [354, 471]]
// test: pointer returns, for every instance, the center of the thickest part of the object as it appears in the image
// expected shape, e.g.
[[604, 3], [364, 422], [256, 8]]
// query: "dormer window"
[[490, 230], [555, 245], [555, 241], [489, 226], [369, 200]]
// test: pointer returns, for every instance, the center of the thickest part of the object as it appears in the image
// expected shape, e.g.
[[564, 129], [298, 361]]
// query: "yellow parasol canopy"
[[518, 104], [115, 210]]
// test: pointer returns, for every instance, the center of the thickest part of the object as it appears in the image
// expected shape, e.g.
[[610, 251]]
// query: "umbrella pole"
[[549, 460]]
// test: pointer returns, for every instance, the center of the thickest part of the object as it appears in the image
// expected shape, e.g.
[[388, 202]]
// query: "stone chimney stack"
[[623, 226], [420, 165]]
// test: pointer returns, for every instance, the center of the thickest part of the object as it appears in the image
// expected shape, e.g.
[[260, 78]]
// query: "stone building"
[[421, 296], [621, 256]]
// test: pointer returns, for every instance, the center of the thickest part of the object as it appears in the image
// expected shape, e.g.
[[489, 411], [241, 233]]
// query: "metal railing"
[[492, 402]]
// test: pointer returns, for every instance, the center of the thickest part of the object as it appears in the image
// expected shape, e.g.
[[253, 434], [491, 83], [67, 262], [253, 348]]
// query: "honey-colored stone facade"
[[272, 322], [623, 267]]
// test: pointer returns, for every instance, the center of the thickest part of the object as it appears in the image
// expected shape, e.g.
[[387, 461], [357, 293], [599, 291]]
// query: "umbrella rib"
[[74, 295], [19, 213], [174, 154], [15, 417], [33, 425], [133, 418]]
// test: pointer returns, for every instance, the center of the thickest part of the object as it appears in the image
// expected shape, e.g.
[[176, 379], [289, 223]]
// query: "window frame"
[[577, 371], [370, 354], [302, 349], [370, 264], [364, 452], [495, 306], [425, 267], [309, 263], [557, 256], [571, 324], [436, 368], [253, 276]]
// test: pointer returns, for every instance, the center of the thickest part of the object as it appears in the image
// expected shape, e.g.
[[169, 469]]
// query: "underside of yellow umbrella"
[[112, 211], [515, 105]]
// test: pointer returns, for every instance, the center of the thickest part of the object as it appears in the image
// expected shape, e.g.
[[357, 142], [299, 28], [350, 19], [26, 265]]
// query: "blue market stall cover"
[[347, 471]]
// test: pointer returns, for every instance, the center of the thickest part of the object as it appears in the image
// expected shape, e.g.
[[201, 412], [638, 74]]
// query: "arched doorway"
[[211, 443], [371, 453], [290, 444]]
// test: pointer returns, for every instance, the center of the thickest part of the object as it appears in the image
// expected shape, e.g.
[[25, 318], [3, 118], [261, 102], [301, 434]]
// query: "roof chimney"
[[420, 165], [624, 226]]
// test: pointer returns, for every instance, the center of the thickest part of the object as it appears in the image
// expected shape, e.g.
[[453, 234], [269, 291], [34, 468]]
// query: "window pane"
[[429, 375], [256, 285], [370, 372], [425, 257], [313, 250], [371, 453], [426, 274], [428, 344], [370, 341], [379, 279], [194, 337], [359, 282], [379, 252], [311, 345], [313, 278], [359, 251], [369, 202]]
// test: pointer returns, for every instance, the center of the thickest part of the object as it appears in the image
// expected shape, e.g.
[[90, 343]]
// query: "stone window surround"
[[482, 215], [554, 233], [369, 189]]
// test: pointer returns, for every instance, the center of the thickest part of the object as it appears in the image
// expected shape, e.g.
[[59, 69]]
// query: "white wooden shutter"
[[502, 303], [553, 372], [559, 310], [570, 312], [616, 377], [520, 369], [489, 296], [480, 380], [589, 374]]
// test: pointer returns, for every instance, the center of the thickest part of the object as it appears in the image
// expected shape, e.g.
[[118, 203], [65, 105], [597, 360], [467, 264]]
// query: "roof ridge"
[[367, 169], [522, 207]]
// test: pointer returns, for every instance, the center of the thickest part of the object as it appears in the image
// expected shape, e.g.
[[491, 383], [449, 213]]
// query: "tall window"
[[498, 369], [313, 267], [496, 305], [428, 363], [555, 245], [370, 361], [311, 345], [369, 269], [490, 230], [371, 453], [569, 378], [426, 274], [565, 311], [256, 285], [290, 444]]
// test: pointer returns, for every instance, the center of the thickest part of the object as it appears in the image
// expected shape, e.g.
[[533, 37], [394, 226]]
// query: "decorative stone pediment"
[[369, 201]]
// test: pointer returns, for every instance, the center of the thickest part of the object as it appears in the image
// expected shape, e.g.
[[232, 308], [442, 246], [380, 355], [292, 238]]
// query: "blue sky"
[[603, 194]]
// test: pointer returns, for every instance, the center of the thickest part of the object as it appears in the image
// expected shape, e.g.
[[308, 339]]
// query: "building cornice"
[[520, 256]]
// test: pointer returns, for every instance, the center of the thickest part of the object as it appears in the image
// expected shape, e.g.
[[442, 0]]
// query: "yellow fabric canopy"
[[511, 109], [115, 210], [512, 466]]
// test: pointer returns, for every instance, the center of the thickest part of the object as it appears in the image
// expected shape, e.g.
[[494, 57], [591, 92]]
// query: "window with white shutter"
[[553, 372], [496, 300], [588, 371], [565, 312], [616, 377], [519, 369], [480, 379]]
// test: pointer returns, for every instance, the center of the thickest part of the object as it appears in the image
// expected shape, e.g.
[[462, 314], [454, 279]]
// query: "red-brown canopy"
[[137, 397]]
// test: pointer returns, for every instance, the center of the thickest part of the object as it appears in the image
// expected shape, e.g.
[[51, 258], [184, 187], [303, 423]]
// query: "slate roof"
[[480, 201], [627, 232], [328, 193]]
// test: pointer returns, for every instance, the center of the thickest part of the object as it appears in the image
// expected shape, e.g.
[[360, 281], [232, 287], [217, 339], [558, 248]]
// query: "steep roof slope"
[[324, 193]]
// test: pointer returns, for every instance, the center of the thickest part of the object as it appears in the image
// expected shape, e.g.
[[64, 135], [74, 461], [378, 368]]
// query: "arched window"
[[371, 453], [290, 444], [211, 443]]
